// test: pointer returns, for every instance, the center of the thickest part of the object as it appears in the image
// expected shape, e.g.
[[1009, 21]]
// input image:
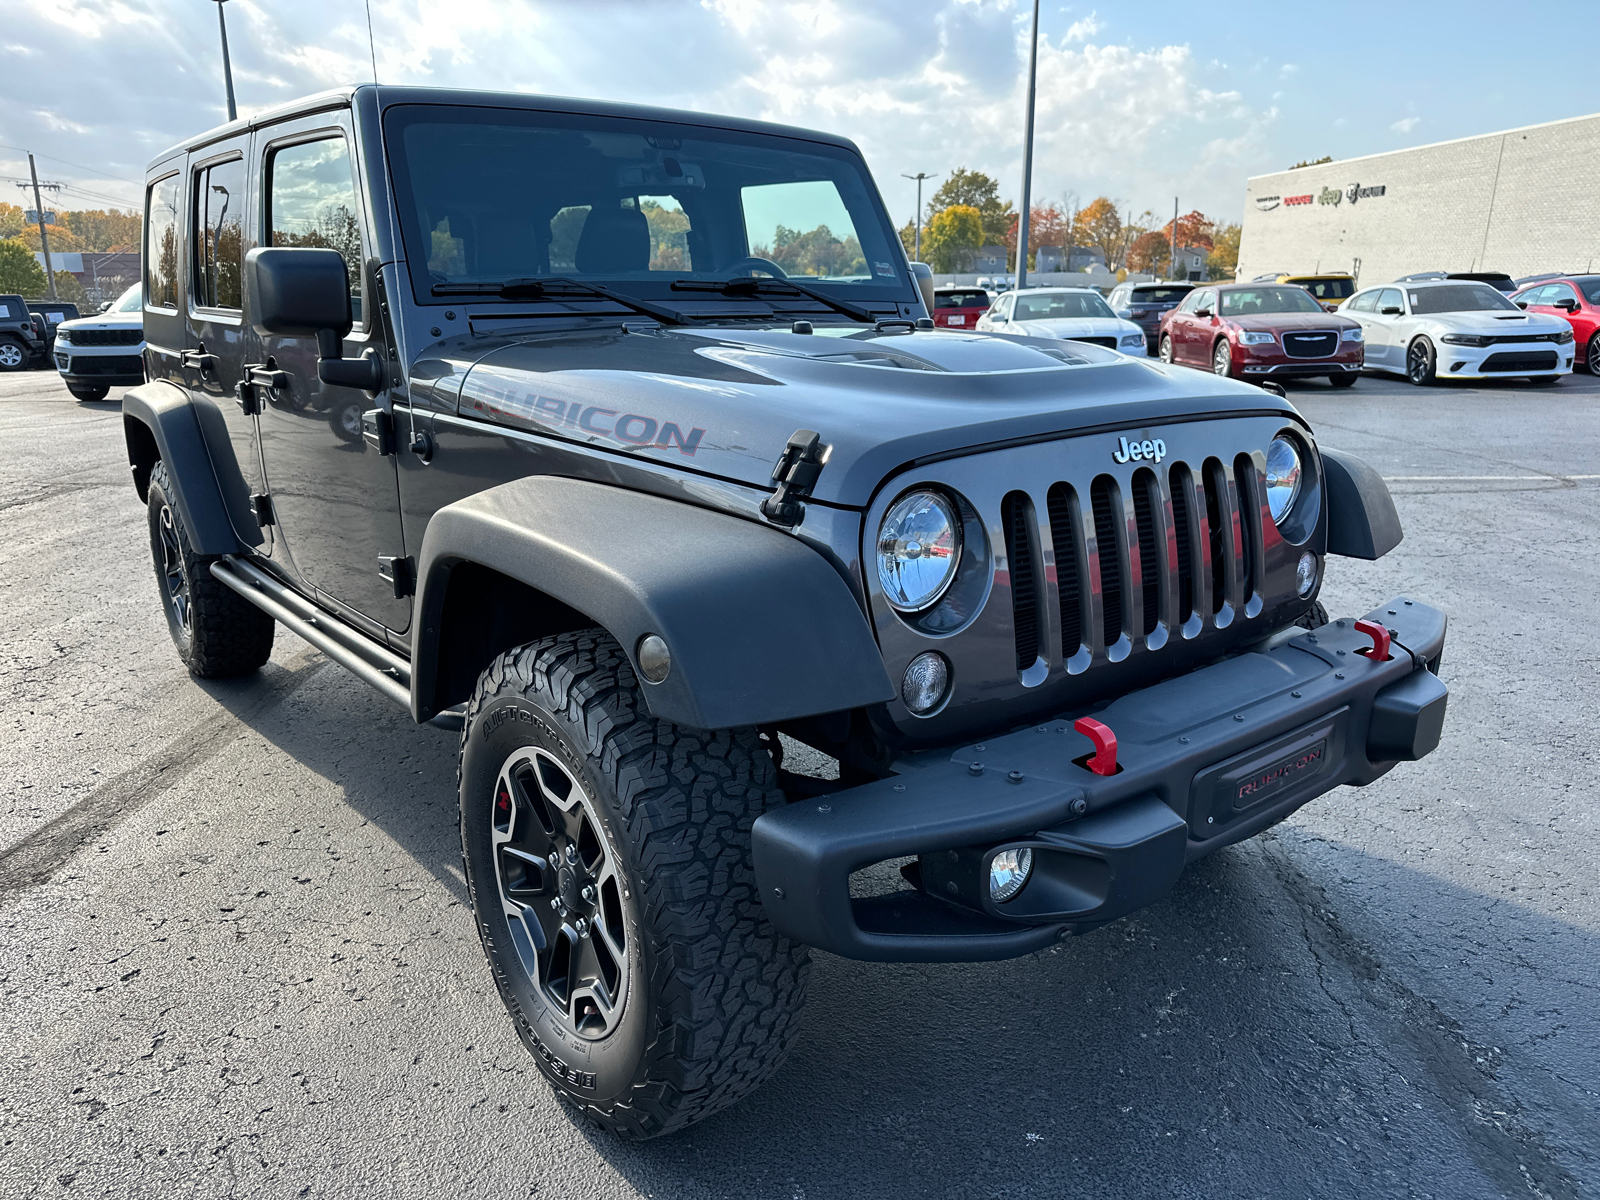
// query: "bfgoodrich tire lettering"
[[710, 1000], [218, 633]]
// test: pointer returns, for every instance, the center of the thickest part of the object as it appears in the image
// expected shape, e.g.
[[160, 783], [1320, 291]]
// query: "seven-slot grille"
[[1125, 560], [105, 337], [1310, 345]]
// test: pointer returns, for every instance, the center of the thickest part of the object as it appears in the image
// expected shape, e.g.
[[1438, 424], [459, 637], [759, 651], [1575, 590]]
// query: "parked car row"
[[1261, 330], [28, 330]]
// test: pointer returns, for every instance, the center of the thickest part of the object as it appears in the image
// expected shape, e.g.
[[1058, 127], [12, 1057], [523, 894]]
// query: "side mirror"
[[1568, 304], [1202, 312], [306, 293], [1125, 313], [1521, 304], [1389, 310]]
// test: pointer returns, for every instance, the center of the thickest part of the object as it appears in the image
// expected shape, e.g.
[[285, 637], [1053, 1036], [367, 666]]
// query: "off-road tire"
[[13, 355], [88, 393], [219, 634], [1315, 619], [1344, 379], [712, 1000]]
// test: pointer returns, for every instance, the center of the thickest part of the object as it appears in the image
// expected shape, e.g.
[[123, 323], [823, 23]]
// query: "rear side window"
[[1366, 302], [218, 235], [161, 243], [311, 201]]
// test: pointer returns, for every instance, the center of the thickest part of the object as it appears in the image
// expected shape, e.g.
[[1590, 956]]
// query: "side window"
[[311, 201], [1390, 298], [1005, 307], [161, 243], [1365, 302], [1208, 299], [1557, 292], [217, 235]]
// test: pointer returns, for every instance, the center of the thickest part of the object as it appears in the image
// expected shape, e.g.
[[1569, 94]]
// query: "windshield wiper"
[[553, 287], [753, 286]]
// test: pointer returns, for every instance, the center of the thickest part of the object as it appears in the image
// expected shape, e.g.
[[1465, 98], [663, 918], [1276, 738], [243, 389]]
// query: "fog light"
[[1008, 871], [925, 683], [655, 660], [1305, 573]]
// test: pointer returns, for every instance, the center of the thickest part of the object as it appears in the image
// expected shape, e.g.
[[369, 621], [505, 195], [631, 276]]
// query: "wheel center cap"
[[567, 886]]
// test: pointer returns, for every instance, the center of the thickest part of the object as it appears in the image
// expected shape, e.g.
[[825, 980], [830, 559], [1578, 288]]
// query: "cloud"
[[1406, 124], [942, 90]]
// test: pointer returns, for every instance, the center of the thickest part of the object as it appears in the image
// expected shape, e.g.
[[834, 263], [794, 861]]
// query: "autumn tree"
[[1194, 229], [952, 237], [104, 230], [1047, 226], [974, 189], [20, 272], [1150, 253], [11, 220], [1223, 261], [1099, 225], [62, 239]]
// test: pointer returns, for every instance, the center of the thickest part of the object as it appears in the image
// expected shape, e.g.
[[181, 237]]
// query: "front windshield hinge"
[[793, 478]]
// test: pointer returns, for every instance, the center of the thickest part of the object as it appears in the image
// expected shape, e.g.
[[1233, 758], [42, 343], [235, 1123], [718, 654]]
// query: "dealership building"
[[1523, 202]]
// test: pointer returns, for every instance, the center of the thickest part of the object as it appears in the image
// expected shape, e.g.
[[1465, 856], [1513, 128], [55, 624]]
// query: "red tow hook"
[[1104, 759], [1379, 651]]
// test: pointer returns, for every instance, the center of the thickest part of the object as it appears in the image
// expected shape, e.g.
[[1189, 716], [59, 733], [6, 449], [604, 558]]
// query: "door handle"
[[257, 376], [199, 360]]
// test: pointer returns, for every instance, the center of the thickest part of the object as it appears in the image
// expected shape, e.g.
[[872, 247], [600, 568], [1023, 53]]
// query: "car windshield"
[[961, 299], [1050, 306], [488, 195], [1160, 295], [1247, 302], [1329, 289], [130, 301], [1458, 297]]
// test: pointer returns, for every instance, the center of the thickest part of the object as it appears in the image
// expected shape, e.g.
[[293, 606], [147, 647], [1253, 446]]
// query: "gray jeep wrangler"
[[621, 438]]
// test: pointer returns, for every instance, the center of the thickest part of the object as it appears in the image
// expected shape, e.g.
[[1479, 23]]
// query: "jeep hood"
[[724, 402]]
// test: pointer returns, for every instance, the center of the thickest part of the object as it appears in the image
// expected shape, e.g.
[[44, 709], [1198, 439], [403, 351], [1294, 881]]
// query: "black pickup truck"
[[658, 466]]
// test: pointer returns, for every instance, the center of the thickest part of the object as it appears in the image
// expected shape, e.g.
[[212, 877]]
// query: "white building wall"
[[1522, 202]]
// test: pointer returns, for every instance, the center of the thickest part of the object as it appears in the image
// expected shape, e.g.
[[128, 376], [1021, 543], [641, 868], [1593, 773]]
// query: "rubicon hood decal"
[[724, 402]]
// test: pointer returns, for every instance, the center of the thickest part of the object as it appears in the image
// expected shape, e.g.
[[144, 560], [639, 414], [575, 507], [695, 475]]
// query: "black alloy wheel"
[[561, 891], [1222, 359], [13, 356], [1166, 349], [1593, 357], [1420, 363], [173, 574]]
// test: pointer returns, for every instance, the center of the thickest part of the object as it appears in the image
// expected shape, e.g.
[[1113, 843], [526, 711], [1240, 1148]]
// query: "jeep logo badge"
[[1150, 450]]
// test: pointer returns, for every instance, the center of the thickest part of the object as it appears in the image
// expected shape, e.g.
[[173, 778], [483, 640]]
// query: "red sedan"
[[1261, 330], [959, 307], [1576, 298]]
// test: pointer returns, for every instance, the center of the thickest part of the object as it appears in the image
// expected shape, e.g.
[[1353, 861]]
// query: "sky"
[[1142, 103]]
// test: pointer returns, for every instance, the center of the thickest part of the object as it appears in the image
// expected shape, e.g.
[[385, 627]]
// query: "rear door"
[[335, 495]]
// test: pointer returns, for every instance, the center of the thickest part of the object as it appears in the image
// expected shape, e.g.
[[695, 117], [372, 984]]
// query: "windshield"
[[961, 299], [1247, 302], [1458, 297], [1050, 306], [1329, 289], [130, 300], [488, 195], [1161, 295]]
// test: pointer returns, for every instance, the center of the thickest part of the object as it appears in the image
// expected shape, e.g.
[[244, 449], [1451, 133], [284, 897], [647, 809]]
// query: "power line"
[[80, 166]]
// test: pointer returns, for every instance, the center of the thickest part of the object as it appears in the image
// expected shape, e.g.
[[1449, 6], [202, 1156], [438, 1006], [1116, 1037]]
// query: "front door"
[[1384, 333], [335, 498]]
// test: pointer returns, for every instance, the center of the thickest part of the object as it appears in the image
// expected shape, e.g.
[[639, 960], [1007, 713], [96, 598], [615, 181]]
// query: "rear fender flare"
[[159, 422], [759, 626]]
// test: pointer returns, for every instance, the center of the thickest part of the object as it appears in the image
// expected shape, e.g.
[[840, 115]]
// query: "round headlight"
[[1283, 477], [926, 680], [919, 545]]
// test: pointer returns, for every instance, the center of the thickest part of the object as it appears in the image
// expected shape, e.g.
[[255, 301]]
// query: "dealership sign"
[[1268, 203], [1356, 192], [1330, 196]]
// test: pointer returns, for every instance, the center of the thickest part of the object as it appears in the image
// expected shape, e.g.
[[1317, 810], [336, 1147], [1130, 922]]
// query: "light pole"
[[1027, 159], [227, 68], [1172, 254], [916, 254]]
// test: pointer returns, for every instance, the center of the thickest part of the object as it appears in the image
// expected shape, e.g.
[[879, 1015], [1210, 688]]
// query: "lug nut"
[[588, 893], [572, 853], [581, 927]]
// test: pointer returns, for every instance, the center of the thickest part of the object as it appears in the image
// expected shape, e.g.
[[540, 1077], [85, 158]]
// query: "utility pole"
[[44, 238], [919, 177], [1172, 254], [1027, 159], [227, 67]]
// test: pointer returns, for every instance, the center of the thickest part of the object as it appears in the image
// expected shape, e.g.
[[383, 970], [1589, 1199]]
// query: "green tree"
[[1223, 261], [952, 237], [669, 236], [11, 221], [20, 272], [816, 253], [974, 189], [1315, 162], [908, 239], [69, 289]]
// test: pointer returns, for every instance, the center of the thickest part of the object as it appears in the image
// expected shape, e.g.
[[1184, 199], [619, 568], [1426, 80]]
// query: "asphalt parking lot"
[[236, 959]]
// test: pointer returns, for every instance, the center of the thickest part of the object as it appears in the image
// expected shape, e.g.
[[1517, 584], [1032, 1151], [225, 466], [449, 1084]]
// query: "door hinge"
[[401, 573], [377, 427], [793, 478], [261, 505]]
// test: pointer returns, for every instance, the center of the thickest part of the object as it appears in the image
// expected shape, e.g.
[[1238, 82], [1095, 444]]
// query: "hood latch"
[[793, 478]]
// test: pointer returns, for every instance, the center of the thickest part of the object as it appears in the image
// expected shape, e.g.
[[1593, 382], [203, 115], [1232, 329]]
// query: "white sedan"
[[1453, 329], [1075, 314]]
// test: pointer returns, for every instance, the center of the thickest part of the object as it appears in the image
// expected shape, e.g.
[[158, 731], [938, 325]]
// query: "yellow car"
[[1330, 290]]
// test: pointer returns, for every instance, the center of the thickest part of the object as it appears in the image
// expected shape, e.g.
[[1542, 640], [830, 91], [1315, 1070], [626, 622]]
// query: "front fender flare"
[[1362, 521], [760, 627], [164, 413]]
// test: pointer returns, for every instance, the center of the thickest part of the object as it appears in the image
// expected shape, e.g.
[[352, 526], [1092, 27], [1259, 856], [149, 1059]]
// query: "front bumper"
[[1503, 359], [1204, 760], [120, 366]]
